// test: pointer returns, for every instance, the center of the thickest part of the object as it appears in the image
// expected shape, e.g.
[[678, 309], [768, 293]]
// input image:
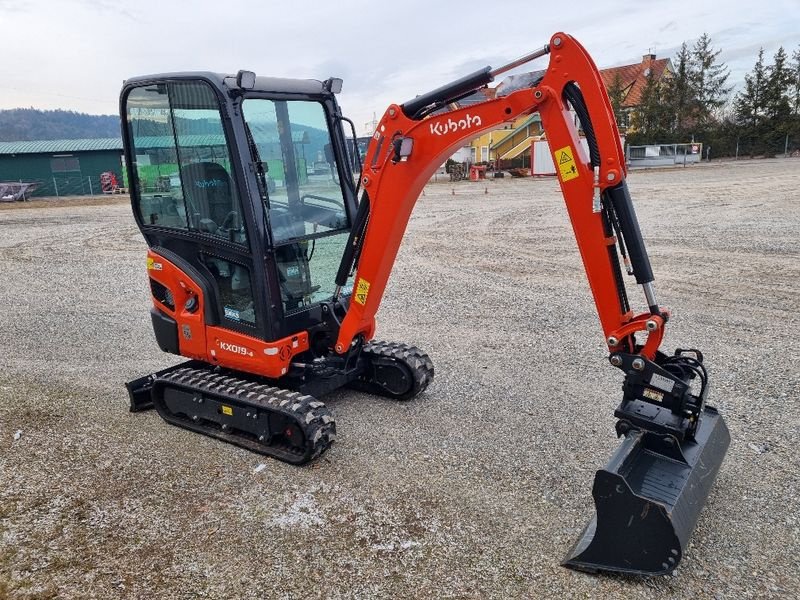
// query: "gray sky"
[[74, 54]]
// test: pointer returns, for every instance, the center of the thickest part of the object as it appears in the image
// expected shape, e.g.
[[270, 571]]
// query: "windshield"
[[306, 205], [302, 180]]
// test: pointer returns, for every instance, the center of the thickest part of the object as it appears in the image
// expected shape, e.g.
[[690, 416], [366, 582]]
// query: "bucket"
[[648, 499]]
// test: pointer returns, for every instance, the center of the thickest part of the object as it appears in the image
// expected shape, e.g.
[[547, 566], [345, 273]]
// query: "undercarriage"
[[277, 418]]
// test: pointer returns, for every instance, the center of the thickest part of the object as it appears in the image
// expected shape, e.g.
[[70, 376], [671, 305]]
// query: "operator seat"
[[207, 188]]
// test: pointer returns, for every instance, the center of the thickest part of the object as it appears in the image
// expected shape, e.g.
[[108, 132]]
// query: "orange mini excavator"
[[266, 271]]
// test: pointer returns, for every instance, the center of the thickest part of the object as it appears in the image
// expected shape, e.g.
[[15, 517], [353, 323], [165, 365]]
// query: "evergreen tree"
[[794, 86], [749, 106], [679, 90], [776, 92], [709, 80], [651, 117], [616, 93], [18, 124]]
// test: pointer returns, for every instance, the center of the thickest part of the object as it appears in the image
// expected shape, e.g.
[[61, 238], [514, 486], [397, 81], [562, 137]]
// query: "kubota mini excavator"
[[266, 272]]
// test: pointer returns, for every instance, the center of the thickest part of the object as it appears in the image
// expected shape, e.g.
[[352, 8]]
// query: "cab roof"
[[228, 82]]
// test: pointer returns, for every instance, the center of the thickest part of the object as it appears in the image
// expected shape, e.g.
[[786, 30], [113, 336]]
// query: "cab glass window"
[[182, 165], [308, 221], [302, 178], [235, 289]]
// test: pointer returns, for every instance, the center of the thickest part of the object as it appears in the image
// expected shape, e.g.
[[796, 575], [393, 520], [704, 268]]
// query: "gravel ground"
[[474, 490]]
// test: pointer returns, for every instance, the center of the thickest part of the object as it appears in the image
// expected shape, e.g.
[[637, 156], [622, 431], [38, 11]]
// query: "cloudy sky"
[[74, 54]]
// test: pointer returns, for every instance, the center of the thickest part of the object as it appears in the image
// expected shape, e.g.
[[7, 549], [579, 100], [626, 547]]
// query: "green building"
[[62, 167], [73, 167]]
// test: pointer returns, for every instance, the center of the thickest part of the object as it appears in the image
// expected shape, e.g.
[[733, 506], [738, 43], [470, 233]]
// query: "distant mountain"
[[24, 124], [27, 124]]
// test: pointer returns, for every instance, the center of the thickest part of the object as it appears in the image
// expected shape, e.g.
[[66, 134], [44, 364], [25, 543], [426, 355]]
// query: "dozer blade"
[[648, 499]]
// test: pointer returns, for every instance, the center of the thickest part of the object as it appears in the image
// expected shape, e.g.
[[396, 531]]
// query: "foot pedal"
[[648, 500]]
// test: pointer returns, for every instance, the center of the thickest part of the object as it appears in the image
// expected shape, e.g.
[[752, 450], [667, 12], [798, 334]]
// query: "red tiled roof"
[[479, 95], [633, 77]]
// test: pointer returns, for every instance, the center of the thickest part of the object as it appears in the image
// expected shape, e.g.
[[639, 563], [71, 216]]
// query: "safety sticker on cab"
[[362, 290], [566, 164], [153, 265]]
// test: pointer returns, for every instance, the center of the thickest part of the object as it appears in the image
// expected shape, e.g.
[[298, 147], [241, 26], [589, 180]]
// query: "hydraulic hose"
[[572, 93], [620, 207], [354, 241]]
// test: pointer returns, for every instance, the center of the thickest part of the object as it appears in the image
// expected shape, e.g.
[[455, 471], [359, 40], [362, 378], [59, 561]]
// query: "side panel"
[[213, 344], [191, 323]]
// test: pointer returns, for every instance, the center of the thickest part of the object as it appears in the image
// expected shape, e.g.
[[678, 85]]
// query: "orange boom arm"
[[405, 151]]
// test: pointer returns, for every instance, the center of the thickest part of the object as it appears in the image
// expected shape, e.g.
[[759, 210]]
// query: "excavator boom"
[[650, 495]]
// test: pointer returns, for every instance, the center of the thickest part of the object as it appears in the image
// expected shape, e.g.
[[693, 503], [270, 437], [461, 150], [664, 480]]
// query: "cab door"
[[308, 217], [186, 198]]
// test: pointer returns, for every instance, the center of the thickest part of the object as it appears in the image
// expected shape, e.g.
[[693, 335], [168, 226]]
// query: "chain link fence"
[[770, 145], [60, 185]]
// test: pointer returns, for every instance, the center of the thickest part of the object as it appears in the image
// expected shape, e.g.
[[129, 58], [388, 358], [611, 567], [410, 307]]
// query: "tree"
[[709, 80], [651, 117], [18, 124], [749, 106], [794, 88], [616, 93], [794, 99], [776, 92], [679, 90]]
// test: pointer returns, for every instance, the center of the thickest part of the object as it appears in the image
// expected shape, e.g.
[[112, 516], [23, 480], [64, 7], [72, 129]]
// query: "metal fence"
[[77, 185], [768, 145], [655, 155]]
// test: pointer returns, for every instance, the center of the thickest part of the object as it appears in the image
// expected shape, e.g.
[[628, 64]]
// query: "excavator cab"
[[244, 191], [252, 188]]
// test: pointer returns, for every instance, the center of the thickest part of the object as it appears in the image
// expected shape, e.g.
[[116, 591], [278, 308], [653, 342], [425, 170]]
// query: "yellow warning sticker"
[[566, 163], [227, 410], [362, 290], [152, 265]]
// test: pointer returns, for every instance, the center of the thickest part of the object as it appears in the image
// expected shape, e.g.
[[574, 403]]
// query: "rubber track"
[[415, 359], [308, 413]]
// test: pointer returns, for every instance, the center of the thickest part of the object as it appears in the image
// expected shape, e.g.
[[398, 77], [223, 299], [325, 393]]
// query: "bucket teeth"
[[648, 500]]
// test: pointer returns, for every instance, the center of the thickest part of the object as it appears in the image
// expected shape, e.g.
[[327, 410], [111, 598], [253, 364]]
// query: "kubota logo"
[[235, 348], [443, 127]]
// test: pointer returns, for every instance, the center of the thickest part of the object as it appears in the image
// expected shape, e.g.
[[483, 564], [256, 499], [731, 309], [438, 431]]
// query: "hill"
[[23, 124], [28, 124]]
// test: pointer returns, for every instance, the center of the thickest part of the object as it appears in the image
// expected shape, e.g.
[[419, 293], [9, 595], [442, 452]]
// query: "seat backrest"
[[207, 188]]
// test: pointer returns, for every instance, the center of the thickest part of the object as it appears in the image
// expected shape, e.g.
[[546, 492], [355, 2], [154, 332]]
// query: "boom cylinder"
[[521, 60], [354, 242], [466, 84], [449, 92]]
